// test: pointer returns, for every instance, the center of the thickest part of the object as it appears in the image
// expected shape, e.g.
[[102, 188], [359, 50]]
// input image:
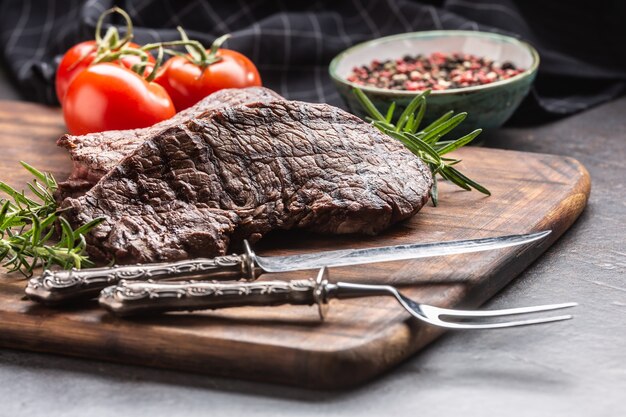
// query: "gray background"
[[574, 368]]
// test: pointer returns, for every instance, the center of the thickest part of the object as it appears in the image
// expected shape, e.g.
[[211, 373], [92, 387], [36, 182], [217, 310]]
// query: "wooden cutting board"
[[288, 344]]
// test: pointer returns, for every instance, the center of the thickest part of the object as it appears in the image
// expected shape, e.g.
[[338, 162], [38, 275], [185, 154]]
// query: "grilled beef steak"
[[96, 154], [241, 172]]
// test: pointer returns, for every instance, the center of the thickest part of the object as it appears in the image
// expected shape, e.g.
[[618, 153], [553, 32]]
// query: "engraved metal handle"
[[132, 298], [56, 287]]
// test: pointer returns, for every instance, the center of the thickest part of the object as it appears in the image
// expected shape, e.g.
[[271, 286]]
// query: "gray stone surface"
[[575, 368]]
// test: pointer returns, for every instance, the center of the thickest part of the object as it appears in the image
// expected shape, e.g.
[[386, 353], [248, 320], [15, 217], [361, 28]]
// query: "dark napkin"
[[583, 58]]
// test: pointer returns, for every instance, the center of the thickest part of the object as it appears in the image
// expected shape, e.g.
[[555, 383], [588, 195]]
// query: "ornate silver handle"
[[55, 287], [131, 298]]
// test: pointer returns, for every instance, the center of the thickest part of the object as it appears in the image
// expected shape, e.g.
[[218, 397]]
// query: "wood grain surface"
[[288, 344]]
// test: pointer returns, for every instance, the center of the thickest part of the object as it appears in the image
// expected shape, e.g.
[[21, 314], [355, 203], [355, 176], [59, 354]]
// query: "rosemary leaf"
[[418, 117], [425, 146], [450, 174], [410, 110], [443, 128], [427, 143], [36, 190], [35, 230], [67, 234], [439, 121], [28, 227], [19, 198], [44, 178], [390, 112], [469, 182], [434, 192], [368, 105], [459, 142], [450, 162], [85, 228]]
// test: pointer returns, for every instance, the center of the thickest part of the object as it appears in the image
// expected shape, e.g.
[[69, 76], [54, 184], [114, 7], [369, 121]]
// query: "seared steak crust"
[[241, 172], [96, 154]]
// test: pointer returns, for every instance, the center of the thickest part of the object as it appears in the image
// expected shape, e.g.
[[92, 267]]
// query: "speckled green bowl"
[[489, 105]]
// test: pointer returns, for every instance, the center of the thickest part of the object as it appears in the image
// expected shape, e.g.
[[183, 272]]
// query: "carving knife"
[[57, 287]]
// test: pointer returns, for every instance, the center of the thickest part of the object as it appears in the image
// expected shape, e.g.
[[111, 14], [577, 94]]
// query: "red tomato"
[[79, 57], [109, 97], [187, 83]]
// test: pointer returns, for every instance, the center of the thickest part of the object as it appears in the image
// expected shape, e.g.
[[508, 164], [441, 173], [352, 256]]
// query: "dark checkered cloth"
[[292, 42]]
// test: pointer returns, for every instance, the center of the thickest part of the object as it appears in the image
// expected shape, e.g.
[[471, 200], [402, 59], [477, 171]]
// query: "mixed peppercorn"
[[438, 71]]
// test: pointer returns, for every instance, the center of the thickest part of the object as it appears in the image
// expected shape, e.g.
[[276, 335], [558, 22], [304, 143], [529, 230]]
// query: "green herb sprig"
[[28, 227], [427, 143]]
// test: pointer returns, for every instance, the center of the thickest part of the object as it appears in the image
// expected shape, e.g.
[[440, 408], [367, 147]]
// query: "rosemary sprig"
[[28, 227], [426, 143]]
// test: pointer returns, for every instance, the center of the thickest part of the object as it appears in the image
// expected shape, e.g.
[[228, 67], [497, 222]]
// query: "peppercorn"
[[439, 71]]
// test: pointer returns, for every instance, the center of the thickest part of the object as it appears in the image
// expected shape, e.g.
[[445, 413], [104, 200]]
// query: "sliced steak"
[[96, 154], [241, 172]]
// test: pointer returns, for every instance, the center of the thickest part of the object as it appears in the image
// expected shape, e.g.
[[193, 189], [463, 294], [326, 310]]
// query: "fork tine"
[[517, 323], [432, 315], [497, 313]]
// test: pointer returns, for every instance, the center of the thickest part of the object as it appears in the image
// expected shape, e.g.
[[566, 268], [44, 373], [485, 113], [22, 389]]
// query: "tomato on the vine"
[[108, 96], [187, 82], [80, 57]]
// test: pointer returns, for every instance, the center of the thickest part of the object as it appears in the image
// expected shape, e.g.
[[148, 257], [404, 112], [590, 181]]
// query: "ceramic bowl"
[[489, 105]]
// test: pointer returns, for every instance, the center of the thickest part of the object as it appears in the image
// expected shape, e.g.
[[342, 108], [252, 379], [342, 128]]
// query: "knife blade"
[[57, 287], [347, 257]]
